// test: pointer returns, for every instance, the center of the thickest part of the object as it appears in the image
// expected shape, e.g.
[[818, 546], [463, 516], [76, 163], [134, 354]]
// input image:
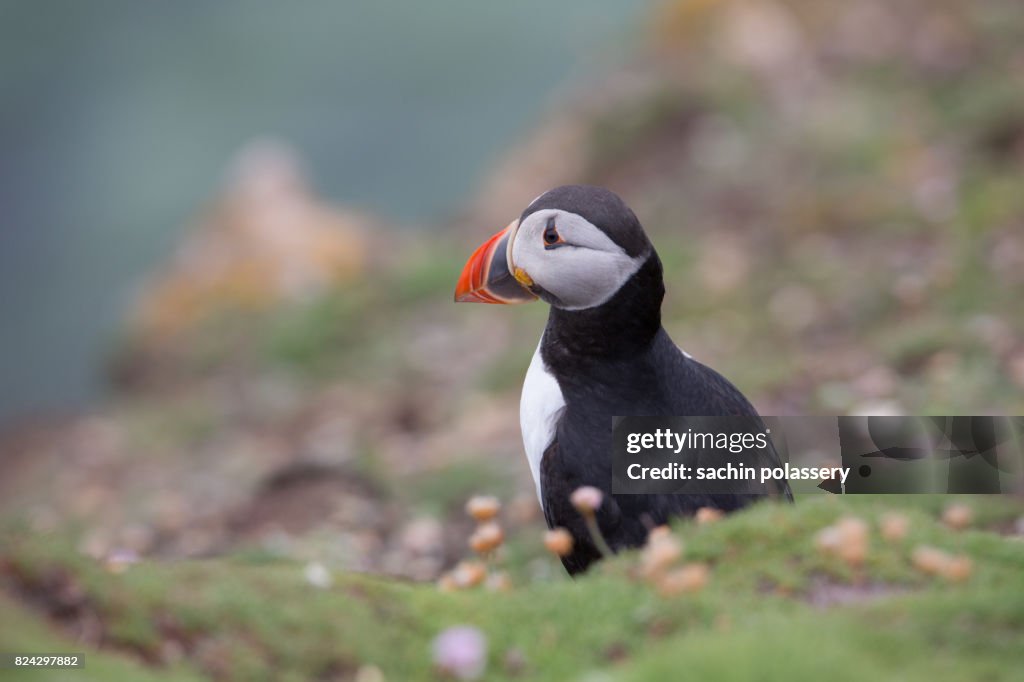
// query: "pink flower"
[[317, 575], [461, 651], [119, 560], [586, 499]]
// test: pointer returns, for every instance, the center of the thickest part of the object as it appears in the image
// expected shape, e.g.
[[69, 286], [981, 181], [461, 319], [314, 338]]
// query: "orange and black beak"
[[488, 278]]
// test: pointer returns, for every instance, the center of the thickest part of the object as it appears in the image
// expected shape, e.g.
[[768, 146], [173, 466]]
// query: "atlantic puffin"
[[603, 353]]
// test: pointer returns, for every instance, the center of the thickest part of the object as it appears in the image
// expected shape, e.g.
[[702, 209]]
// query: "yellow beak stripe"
[[522, 277]]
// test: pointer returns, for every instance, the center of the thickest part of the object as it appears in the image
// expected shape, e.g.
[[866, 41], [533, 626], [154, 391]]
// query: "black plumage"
[[617, 359]]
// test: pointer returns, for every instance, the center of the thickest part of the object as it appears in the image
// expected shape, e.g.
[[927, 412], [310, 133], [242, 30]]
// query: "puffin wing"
[[698, 390]]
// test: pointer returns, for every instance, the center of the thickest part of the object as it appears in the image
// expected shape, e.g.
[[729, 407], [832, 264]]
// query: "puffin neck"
[[625, 325]]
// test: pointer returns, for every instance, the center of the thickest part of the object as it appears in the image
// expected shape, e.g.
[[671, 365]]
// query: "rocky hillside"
[[833, 188]]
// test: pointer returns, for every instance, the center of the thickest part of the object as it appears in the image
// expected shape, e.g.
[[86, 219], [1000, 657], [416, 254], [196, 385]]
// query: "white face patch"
[[584, 271]]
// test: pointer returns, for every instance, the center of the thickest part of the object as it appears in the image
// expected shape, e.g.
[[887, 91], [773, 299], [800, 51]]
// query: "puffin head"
[[573, 247]]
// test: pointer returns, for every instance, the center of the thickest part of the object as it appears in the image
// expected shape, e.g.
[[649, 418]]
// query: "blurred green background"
[[119, 118]]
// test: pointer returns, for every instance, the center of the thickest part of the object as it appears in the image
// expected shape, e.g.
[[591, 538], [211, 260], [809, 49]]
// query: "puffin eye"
[[551, 237]]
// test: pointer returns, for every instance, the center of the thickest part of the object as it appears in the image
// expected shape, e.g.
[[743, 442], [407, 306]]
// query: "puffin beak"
[[487, 277]]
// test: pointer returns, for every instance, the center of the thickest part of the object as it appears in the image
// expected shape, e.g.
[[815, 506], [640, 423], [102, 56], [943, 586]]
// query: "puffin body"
[[603, 353]]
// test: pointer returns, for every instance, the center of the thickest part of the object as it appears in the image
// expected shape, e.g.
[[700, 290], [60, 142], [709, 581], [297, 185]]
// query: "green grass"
[[23, 631], [237, 619]]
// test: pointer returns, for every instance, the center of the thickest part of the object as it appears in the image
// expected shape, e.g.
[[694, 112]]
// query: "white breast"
[[539, 410]]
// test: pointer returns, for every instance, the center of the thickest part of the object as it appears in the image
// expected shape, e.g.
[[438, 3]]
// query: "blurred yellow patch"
[[267, 240]]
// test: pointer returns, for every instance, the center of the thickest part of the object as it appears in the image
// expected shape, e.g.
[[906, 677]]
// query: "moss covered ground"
[[774, 608]]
